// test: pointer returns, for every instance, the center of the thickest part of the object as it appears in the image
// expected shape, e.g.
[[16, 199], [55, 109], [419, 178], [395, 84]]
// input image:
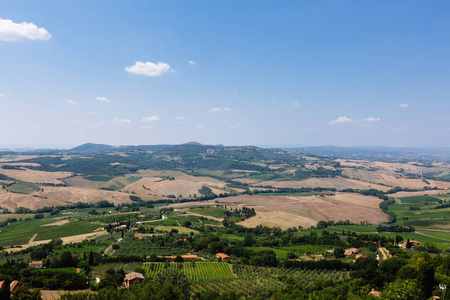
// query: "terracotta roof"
[[134, 275], [222, 255], [13, 285], [360, 256], [38, 262]]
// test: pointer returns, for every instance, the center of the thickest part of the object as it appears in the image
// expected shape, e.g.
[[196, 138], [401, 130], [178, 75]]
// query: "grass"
[[419, 199], [103, 178], [4, 217], [122, 182], [215, 212], [23, 188], [179, 228], [19, 233]]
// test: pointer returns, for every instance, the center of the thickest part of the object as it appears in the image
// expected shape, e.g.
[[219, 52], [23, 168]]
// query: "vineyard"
[[254, 280], [195, 271], [245, 280]]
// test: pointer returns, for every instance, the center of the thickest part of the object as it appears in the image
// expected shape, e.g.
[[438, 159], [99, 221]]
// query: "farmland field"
[[194, 270], [216, 212], [19, 233], [23, 188]]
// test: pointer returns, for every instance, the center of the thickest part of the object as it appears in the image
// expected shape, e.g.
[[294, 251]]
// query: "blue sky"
[[268, 73]]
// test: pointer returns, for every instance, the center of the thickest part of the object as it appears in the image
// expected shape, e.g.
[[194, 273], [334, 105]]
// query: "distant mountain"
[[91, 148], [378, 153]]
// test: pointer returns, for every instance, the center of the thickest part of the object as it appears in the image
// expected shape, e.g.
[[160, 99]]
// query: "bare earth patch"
[[57, 223]]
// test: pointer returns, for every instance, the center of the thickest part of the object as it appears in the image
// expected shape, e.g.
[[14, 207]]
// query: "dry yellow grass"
[[292, 211], [36, 176], [338, 183], [184, 185], [54, 196]]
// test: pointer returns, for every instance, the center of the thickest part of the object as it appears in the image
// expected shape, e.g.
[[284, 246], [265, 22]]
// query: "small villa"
[[132, 279], [223, 256], [36, 264]]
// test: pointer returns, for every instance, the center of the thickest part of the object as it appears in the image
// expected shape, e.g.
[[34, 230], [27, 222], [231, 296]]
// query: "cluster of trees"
[[395, 228]]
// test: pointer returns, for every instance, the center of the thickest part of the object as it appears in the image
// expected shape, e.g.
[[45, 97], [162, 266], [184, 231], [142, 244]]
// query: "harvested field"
[[420, 193], [12, 158], [288, 211], [23, 164], [182, 185], [57, 223], [54, 196], [337, 183], [33, 176]]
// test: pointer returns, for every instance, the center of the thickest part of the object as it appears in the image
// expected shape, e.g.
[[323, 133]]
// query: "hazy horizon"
[[291, 74]]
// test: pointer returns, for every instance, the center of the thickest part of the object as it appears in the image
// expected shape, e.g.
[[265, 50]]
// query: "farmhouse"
[[223, 256], [351, 251], [36, 264], [132, 279], [412, 243]]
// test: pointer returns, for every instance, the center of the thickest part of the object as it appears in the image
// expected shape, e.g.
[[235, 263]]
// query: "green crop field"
[[419, 199], [194, 270], [215, 212], [23, 188], [19, 233], [103, 178]]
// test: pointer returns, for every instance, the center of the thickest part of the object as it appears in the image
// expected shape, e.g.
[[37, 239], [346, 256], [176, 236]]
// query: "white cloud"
[[90, 113], [199, 127], [372, 119], [150, 119], [341, 120], [219, 109], [71, 102], [102, 99], [10, 31], [403, 105], [149, 68], [191, 62], [2, 95], [295, 104], [122, 121], [145, 127], [180, 118]]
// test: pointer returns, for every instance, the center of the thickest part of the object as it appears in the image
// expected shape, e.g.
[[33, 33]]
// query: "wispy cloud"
[[295, 104], [341, 120], [191, 62], [235, 125], [90, 112], [372, 119], [199, 127], [102, 99], [122, 121], [220, 109], [149, 68], [150, 119], [71, 102], [403, 105], [10, 31], [2, 95], [180, 118]]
